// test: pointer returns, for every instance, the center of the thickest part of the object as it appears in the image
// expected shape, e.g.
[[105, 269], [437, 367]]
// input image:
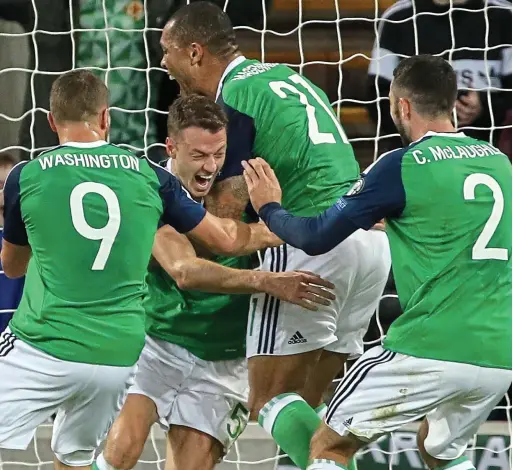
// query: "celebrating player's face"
[[198, 156], [176, 61]]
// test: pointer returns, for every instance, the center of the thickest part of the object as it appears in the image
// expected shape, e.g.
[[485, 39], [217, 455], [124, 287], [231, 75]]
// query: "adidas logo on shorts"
[[348, 422], [297, 338]]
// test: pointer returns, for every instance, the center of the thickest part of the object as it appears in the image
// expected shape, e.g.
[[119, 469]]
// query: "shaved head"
[[203, 23]]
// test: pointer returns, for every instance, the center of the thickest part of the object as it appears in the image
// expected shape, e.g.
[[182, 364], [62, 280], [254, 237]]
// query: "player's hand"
[[263, 186], [468, 108], [301, 288], [379, 226]]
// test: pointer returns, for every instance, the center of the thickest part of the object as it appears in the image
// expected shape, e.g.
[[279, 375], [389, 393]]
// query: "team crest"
[[135, 10], [357, 187]]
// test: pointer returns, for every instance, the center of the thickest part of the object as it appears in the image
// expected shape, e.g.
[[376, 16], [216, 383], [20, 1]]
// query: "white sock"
[[325, 464], [102, 464]]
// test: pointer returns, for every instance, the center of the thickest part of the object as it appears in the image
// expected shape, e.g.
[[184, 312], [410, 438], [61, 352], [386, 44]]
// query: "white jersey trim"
[[227, 70], [84, 145]]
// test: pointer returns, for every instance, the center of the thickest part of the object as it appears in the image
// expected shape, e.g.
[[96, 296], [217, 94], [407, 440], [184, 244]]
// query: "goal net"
[[329, 41]]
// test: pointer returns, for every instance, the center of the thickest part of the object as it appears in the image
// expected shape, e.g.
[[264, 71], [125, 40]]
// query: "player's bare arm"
[[177, 256], [232, 238], [15, 259]]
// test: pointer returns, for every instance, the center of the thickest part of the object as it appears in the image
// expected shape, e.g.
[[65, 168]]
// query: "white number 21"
[[106, 234], [316, 136], [480, 250]]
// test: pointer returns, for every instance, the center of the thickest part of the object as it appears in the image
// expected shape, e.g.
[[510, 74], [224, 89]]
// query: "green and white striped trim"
[[461, 463], [272, 409], [325, 464]]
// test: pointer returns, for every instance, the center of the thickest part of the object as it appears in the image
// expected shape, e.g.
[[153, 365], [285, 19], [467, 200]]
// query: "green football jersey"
[[89, 213], [281, 116], [446, 199], [210, 326], [447, 202]]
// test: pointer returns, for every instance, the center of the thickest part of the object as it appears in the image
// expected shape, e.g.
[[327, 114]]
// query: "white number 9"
[[106, 234]]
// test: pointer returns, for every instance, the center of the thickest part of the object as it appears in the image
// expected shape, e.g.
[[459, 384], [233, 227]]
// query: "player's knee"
[[123, 448]]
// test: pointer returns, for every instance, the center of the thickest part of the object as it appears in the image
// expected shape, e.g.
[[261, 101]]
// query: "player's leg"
[[84, 418], [126, 438], [32, 386], [209, 414], [190, 449], [283, 414], [450, 394], [160, 370], [445, 432], [284, 344]]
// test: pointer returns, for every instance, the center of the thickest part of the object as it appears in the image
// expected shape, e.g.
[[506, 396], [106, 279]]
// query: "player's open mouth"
[[203, 181]]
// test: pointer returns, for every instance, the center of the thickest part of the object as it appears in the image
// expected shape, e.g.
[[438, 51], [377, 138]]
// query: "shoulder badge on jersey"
[[357, 187]]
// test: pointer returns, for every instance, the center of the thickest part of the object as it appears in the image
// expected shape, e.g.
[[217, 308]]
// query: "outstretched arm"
[[378, 194], [220, 236], [176, 255]]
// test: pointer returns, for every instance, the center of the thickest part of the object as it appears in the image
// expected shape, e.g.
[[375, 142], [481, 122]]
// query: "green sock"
[[292, 423], [285, 460], [461, 463], [325, 464]]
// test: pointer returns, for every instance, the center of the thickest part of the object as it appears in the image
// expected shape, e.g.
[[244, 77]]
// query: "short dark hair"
[[206, 24], [8, 159], [195, 110], [77, 96], [430, 83]]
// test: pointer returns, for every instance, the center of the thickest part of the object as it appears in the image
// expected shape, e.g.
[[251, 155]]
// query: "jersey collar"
[[85, 145], [442, 134], [227, 70]]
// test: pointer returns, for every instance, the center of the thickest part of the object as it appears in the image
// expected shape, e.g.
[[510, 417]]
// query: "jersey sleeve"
[[14, 228], [378, 194], [180, 211], [241, 137]]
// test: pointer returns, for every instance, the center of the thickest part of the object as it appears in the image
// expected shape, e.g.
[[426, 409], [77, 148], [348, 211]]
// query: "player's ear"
[[405, 109], [170, 147], [196, 53], [105, 119], [51, 121]]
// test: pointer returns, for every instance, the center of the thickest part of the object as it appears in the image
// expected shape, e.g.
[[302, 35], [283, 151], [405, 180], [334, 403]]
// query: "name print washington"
[[127, 162]]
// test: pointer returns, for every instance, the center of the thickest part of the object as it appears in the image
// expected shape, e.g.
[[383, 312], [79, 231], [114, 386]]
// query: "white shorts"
[[210, 396], [359, 268], [34, 385], [385, 390]]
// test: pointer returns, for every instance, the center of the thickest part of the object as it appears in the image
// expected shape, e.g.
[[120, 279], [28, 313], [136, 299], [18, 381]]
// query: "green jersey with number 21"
[[89, 213], [281, 116]]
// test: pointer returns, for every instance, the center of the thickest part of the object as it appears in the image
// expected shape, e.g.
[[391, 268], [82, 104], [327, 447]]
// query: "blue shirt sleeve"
[[241, 137], [15, 231], [378, 194], [180, 211]]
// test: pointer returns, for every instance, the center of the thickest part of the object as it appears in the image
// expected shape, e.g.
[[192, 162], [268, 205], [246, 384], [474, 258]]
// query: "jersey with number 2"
[[281, 116], [89, 213], [447, 203]]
